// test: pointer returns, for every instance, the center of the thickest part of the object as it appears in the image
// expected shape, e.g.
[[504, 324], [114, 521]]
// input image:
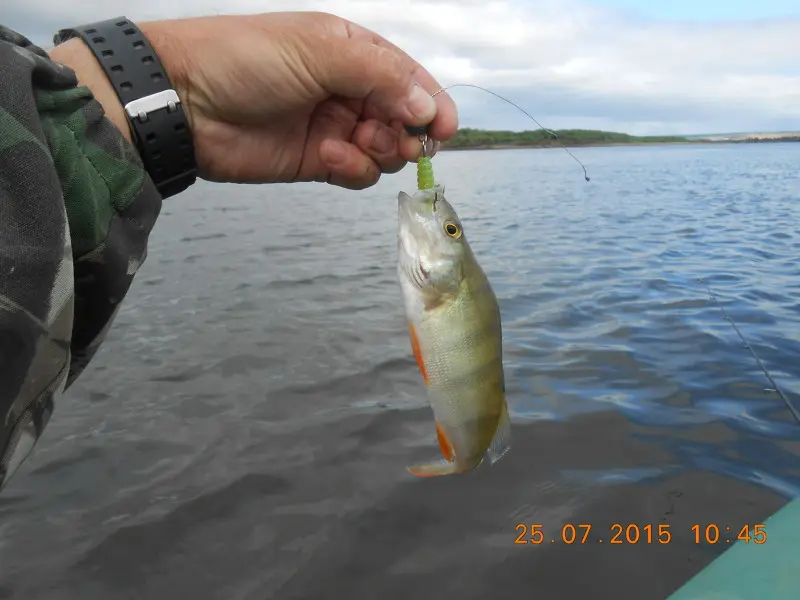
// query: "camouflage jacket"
[[76, 210]]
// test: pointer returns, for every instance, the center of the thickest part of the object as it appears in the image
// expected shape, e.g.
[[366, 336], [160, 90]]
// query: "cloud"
[[570, 64]]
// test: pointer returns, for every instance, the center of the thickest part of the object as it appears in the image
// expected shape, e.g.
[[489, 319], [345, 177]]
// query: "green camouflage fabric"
[[76, 210]]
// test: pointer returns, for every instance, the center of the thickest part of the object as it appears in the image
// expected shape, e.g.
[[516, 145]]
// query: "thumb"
[[384, 79]]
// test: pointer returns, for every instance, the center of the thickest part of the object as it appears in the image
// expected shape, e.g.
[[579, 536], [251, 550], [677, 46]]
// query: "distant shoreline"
[[610, 144], [476, 139]]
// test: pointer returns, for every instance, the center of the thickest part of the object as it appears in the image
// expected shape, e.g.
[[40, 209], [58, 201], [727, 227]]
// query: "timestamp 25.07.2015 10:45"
[[618, 533]]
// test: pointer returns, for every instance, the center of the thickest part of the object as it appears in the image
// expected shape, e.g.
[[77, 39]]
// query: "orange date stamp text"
[[632, 533]]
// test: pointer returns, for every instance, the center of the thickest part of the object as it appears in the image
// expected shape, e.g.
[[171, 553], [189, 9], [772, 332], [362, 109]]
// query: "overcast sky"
[[638, 66]]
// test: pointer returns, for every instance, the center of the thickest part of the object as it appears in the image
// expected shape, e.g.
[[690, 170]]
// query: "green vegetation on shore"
[[479, 138]]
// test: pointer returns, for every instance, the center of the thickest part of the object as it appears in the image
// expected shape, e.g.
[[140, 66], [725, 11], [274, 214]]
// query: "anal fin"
[[501, 443], [434, 469]]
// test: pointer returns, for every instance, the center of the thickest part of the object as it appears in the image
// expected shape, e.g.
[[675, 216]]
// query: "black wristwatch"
[[157, 119]]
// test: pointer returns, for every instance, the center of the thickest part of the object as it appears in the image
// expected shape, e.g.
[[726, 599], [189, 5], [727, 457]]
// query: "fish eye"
[[453, 230]]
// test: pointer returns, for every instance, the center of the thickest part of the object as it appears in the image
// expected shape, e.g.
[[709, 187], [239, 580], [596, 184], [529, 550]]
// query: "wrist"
[[147, 109], [162, 35], [77, 56]]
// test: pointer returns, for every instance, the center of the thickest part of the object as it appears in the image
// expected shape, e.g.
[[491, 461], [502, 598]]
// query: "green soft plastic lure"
[[425, 180], [425, 173]]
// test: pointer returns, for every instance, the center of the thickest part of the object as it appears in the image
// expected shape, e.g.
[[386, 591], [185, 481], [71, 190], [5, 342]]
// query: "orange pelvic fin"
[[417, 353]]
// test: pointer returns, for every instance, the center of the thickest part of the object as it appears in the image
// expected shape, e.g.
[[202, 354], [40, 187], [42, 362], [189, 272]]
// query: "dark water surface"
[[244, 431]]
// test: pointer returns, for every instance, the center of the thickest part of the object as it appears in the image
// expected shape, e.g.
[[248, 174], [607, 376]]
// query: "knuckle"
[[337, 113]]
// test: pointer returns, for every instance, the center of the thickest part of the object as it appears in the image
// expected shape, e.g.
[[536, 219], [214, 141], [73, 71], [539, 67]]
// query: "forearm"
[[76, 209]]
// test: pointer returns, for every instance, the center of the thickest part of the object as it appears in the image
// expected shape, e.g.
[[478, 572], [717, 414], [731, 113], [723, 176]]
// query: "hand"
[[282, 97]]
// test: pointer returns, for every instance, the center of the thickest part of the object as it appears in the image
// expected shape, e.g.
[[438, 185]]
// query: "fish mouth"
[[405, 205], [421, 205]]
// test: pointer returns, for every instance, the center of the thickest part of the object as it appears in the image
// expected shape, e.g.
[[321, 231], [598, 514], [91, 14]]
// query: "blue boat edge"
[[750, 571]]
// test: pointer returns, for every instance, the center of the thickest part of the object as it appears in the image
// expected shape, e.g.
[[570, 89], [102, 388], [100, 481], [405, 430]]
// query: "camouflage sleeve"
[[76, 210]]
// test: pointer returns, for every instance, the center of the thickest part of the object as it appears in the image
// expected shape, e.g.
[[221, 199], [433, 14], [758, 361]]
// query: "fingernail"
[[383, 142], [336, 153], [421, 105]]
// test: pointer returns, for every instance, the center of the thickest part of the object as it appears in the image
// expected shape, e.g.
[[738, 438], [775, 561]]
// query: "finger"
[[329, 157], [348, 166], [356, 68], [380, 143], [445, 124], [409, 146]]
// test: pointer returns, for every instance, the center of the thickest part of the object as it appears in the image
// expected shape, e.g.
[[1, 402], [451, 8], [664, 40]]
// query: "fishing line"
[[523, 111], [775, 387]]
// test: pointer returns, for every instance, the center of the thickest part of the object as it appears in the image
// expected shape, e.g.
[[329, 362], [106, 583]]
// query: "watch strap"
[[157, 119]]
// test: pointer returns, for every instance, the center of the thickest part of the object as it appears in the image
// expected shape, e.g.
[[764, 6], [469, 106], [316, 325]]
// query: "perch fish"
[[455, 330]]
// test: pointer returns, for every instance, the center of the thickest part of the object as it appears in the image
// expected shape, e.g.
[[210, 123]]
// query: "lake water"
[[244, 432]]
